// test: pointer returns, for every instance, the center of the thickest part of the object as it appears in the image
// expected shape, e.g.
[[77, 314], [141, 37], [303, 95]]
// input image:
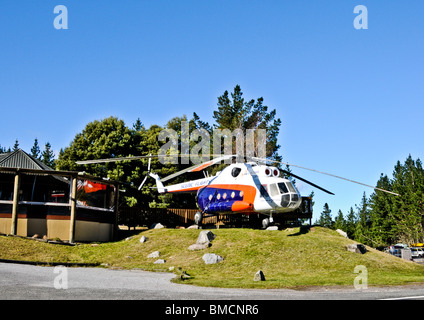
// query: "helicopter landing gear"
[[267, 222], [198, 217]]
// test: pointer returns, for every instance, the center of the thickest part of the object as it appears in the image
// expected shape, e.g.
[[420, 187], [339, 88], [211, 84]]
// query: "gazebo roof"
[[21, 159]]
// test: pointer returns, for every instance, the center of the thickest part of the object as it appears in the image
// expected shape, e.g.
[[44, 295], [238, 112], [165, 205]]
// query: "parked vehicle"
[[417, 252]]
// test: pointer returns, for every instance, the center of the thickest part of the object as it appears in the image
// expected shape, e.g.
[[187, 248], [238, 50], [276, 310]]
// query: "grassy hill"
[[291, 258]]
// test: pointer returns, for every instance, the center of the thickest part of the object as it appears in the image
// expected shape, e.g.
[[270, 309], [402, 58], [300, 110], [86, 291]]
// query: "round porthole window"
[[235, 172]]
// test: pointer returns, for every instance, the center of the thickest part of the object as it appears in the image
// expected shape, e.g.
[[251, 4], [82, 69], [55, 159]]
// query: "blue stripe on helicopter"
[[217, 199]]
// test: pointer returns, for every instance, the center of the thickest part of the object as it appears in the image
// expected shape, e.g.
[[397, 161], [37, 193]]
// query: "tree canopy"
[[384, 219]]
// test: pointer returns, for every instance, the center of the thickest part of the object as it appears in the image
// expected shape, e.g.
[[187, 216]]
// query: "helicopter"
[[247, 186]]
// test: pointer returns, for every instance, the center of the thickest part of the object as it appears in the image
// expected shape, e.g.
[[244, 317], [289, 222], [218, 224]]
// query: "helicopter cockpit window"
[[283, 188], [291, 188], [235, 172], [273, 189]]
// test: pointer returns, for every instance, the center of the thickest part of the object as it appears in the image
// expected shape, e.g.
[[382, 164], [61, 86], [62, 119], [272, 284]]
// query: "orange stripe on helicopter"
[[242, 206], [203, 166]]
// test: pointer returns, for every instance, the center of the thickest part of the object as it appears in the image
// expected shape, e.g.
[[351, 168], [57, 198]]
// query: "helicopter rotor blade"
[[198, 167], [326, 173], [114, 159], [130, 158], [142, 184], [148, 171], [308, 182]]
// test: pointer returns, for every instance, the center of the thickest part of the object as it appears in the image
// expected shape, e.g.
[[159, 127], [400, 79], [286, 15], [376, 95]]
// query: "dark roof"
[[21, 159]]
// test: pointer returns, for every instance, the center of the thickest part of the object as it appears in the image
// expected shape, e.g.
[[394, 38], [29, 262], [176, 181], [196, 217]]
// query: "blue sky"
[[350, 101]]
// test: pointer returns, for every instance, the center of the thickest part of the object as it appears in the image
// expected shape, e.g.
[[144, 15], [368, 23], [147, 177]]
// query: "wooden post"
[[73, 209], [116, 212], [14, 226]]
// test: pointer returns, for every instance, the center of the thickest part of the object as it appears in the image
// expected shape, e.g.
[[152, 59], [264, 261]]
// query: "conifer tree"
[[47, 156], [351, 221], [325, 220], [35, 150], [339, 221]]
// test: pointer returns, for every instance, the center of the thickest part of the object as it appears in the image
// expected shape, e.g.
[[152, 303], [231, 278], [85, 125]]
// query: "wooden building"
[[65, 205]]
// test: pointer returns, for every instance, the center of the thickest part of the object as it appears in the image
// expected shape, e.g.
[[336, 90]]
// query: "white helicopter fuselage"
[[241, 188]]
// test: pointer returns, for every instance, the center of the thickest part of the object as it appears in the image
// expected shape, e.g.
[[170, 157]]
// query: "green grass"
[[288, 258]]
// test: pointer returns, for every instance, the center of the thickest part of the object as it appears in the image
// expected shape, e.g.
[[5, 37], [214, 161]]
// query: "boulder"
[[356, 248], [342, 233], [157, 226], [211, 258], [159, 261], [272, 228], [259, 276], [198, 246], [154, 254], [205, 237], [143, 239]]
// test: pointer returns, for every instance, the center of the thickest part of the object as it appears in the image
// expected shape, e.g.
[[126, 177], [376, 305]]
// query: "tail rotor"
[[148, 173]]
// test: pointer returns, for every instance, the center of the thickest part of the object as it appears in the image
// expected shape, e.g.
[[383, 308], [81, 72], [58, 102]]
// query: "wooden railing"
[[133, 217]]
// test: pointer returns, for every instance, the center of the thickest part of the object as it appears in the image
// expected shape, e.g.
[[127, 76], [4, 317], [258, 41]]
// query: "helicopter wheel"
[[198, 217], [265, 223]]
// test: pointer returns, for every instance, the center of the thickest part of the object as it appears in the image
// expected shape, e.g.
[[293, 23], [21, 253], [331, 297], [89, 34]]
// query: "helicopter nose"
[[289, 200], [285, 200]]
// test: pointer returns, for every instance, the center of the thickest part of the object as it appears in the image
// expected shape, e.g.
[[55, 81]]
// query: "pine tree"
[[325, 220], [381, 204], [340, 222], [236, 113], [351, 222], [16, 145], [47, 156], [364, 221], [407, 210], [35, 150]]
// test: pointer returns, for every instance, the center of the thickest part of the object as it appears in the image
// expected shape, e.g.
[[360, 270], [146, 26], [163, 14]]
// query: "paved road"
[[34, 282]]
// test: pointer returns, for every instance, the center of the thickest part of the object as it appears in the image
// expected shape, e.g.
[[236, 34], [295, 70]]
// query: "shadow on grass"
[[302, 230]]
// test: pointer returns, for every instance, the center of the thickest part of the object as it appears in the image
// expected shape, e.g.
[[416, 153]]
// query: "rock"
[[198, 246], [342, 233], [205, 237], [143, 239], [259, 276], [159, 261], [128, 238], [154, 254], [357, 248], [272, 228], [157, 226], [211, 258], [194, 226]]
